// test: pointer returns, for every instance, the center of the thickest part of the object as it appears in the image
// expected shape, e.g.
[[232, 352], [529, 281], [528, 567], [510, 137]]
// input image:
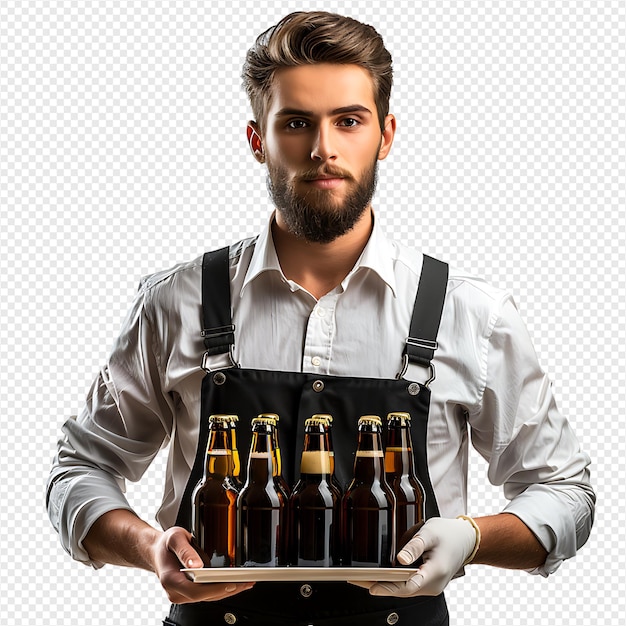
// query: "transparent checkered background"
[[122, 151]]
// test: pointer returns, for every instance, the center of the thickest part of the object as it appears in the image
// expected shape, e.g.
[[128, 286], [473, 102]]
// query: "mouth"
[[325, 182]]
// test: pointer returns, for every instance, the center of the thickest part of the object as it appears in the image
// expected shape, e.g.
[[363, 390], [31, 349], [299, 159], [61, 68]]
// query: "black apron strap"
[[218, 330], [431, 292]]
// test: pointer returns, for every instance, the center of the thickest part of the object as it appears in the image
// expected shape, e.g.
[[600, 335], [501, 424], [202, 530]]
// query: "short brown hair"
[[305, 38]]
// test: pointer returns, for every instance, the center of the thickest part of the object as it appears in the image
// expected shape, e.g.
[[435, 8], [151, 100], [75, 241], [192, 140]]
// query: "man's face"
[[321, 144]]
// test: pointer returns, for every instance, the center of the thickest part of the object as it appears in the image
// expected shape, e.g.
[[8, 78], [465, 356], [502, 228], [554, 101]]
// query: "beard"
[[316, 216]]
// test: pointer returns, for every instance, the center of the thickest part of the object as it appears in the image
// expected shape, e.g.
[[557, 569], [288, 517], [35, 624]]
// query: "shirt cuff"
[[76, 503], [549, 519]]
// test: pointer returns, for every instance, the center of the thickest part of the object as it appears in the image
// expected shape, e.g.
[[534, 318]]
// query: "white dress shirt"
[[148, 394]]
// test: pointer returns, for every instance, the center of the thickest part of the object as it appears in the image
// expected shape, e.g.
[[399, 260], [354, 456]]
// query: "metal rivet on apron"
[[229, 618], [219, 378], [318, 385], [413, 390], [306, 591], [393, 618]]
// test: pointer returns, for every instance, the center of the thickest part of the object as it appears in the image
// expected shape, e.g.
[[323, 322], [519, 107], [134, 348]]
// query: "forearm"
[[507, 542], [120, 537]]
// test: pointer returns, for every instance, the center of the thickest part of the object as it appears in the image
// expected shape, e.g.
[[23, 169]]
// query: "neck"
[[320, 267]]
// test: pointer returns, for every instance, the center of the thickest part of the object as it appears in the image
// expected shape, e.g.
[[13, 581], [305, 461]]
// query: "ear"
[[255, 141], [389, 133]]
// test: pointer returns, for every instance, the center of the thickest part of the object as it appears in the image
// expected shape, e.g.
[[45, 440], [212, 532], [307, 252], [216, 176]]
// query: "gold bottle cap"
[[265, 418], [323, 416], [319, 418], [222, 418], [399, 416], [272, 416], [373, 420]]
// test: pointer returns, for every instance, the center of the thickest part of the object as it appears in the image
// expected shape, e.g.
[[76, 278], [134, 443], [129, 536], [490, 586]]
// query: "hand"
[[444, 545], [172, 551]]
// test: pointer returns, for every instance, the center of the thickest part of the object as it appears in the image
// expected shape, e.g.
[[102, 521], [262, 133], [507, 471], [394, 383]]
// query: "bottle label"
[[370, 453], [315, 462]]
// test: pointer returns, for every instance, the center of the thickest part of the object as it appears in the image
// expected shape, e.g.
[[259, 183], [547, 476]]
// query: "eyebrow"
[[353, 108]]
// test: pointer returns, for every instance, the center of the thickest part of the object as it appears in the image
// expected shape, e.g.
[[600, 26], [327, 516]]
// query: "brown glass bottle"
[[214, 517], [401, 476], [278, 466], [235, 452], [369, 505], [262, 506], [315, 503], [329, 438]]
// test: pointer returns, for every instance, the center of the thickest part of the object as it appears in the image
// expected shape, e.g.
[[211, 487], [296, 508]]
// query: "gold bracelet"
[[467, 518]]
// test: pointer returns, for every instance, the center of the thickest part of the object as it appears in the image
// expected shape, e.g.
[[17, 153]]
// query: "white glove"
[[445, 545]]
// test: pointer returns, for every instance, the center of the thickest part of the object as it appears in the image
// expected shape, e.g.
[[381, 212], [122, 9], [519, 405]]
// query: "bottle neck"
[[278, 462], [399, 451], [219, 458], [262, 460], [369, 458], [232, 433], [316, 460]]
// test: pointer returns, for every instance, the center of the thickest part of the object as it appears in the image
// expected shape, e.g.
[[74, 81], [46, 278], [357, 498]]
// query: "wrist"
[[477, 533], [120, 537]]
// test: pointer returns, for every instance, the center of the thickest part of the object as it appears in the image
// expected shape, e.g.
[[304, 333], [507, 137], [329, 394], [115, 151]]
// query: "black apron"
[[296, 396]]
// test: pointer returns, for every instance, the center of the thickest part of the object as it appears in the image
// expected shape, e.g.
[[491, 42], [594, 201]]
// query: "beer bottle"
[[369, 504], [278, 466], [261, 506], [329, 439], [315, 503], [214, 499], [235, 452], [400, 471]]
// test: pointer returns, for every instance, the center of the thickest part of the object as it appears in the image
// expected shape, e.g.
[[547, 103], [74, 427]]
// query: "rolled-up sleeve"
[[530, 447], [125, 421]]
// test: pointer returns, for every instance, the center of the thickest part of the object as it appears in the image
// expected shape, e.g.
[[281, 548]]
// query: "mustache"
[[325, 172]]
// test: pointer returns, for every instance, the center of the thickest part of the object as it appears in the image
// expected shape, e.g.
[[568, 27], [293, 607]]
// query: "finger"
[[364, 584], [411, 587], [219, 591], [179, 542], [409, 534], [412, 551], [187, 591]]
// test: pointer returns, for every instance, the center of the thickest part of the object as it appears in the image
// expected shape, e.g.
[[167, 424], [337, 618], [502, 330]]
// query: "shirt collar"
[[264, 257], [378, 256]]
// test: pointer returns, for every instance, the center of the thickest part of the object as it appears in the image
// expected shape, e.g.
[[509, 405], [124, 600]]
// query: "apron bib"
[[295, 396]]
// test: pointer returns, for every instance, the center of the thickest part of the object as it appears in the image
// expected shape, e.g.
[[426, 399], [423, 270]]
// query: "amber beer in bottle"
[[262, 506], [369, 504], [233, 419], [214, 519], [400, 472], [315, 503]]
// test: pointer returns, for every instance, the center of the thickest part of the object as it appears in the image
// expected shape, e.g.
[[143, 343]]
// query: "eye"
[[296, 124], [349, 122]]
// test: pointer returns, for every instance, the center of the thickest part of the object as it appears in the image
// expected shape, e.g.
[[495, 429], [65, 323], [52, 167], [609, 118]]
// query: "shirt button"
[[321, 311], [306, 591], [393, 618], [316, 361], [229, 618]]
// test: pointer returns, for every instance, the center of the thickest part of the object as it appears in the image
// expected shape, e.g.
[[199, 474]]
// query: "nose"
[[323, 149]]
